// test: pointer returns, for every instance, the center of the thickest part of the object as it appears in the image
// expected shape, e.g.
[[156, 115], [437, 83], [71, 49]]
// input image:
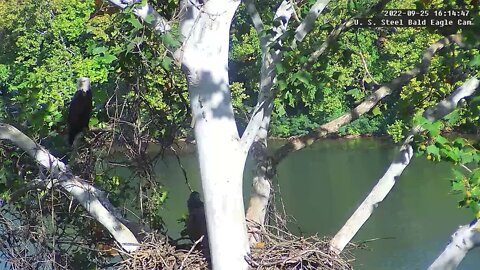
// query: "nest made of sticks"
[[279, 250], [156, 253]]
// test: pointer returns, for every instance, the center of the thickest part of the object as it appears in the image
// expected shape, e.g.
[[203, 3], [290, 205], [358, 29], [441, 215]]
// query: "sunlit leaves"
[[133, 20], [460, 152]]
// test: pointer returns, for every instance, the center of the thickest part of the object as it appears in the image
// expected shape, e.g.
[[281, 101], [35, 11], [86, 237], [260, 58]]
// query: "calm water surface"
[[322, 186]]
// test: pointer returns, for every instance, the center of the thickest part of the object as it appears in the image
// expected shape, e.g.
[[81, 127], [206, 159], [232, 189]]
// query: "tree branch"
[[88, 196], [300, 142], [393, 173], [309, 20], [466, 238], [256, 21], [147, 13], [339, 29], [271, 55]]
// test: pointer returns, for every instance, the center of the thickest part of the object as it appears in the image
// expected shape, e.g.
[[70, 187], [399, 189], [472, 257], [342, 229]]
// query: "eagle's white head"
[[83, 84]]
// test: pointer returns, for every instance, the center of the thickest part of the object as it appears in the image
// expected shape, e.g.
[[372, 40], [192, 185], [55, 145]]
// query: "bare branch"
[[300, 142], [87, 195], [270, 57], [393, 173], [466, 238], [147, 13], [256, 21], [339, 29], [309, 20]]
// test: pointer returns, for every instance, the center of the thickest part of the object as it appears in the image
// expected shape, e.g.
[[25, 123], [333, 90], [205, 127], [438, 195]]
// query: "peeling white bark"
[[307, 24], [146, 12], [256, 132], [257, 129], [386, 183], [270, 57], [204, 57], [466, 238], [88, 196]]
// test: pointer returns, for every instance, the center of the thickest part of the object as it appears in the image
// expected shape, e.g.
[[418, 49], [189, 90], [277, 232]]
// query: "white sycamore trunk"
[[204, 57]]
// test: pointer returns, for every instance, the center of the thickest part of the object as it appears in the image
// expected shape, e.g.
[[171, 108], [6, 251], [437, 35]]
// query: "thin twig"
[[191, 249]]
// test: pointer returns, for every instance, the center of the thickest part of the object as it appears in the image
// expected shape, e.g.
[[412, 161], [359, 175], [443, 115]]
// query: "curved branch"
[[146, 13], [466, 238], [300, 142], [87, 195], [256, 21], [339, 29], [309, 20], [270, 57], [391, 176]]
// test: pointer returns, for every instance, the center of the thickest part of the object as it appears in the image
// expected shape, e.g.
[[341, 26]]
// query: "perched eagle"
[[196, 223], [80, 109]]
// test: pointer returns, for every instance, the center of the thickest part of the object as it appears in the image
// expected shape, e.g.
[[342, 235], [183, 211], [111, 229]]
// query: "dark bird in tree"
[[80, 109], [196, 223]]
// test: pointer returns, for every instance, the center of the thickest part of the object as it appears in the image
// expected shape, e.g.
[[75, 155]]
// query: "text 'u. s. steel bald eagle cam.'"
[[80, 109]]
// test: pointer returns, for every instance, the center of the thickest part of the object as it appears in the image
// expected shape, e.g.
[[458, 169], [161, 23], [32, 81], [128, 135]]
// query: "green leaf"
[[280, 110], [130, 46], [355, 93], [98, 50], [170, 41], [441, 140], [302, 76], [376, 111], [457, 175], [135, 22], [475, 61], [282, 85], [475, 177], [93, 121], [150, 18], [474, 206], [459, 142], [279, 68], [432, 149], [457, 186], [167, 62], [453, 117], [433, 128], [108, 58], [466, 157]]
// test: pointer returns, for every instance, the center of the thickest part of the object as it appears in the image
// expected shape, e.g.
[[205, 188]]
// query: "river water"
[[322, 185]]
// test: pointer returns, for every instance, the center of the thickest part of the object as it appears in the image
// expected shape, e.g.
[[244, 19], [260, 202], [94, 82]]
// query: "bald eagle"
[[80, 109], [196, 223]]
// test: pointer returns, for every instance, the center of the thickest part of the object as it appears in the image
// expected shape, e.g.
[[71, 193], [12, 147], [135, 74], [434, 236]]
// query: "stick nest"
[[279, 250]]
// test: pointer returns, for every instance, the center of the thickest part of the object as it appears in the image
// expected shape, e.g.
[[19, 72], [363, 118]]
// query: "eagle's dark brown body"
[[80, 109]]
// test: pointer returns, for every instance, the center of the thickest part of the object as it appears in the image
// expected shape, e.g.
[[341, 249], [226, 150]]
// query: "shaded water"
[[322, 186]]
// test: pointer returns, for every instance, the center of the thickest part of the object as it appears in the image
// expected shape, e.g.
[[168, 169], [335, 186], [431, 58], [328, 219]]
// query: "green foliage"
[[238, 96], [396, 130], [138, 95], [352, 67], [461, 152], [291, 126], [365, 125]]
